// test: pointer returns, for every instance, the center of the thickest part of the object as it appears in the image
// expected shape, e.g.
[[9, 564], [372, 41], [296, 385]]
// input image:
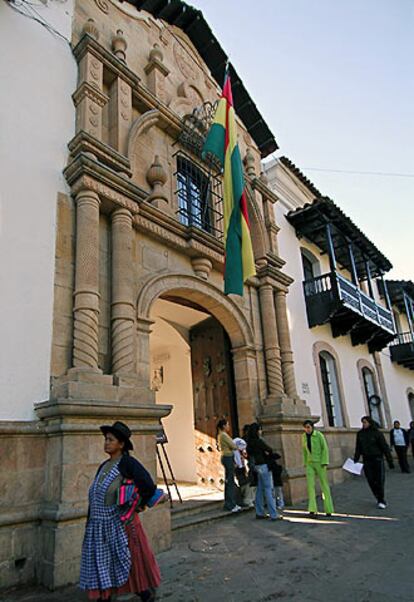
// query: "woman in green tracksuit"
[[316, 460]]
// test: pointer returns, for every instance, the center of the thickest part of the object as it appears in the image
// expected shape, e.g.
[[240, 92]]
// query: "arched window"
[[371, 394], [411, 404], [330, 386], [310, 264]]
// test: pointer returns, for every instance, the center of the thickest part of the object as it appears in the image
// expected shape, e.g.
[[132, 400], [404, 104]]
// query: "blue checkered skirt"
[[106, 559]]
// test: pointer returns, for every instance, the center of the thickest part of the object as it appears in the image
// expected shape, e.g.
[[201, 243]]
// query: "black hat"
[[121, 432]]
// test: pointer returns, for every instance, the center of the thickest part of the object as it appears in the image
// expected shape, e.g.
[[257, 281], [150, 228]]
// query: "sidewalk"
[[361, 554]]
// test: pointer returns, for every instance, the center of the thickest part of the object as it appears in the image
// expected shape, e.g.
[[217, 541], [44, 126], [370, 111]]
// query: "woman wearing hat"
[[117, 558]]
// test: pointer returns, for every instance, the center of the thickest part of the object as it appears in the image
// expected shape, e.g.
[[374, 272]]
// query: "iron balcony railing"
[[338, 288], [403, 338]]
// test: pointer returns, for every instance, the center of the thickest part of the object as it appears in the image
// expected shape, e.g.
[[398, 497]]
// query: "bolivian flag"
[[221, 141]]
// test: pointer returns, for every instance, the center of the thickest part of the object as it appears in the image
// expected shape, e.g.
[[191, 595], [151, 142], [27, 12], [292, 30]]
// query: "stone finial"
[[156, 178], [119, 45], [263, 178], [249, 161], [91, 29], [156, 54], [202, 267]]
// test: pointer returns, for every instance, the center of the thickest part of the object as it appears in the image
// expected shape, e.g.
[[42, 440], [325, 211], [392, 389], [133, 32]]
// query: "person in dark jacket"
[[117, 558], [260, 453], [371, 444], [411, 436], [276, 469], [399, 441]]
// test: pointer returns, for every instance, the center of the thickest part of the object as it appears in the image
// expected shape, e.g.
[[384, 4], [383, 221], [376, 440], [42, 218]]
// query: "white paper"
[[353, 467]]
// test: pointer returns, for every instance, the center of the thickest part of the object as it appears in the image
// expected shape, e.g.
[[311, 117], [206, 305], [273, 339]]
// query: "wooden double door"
[[213, 393]]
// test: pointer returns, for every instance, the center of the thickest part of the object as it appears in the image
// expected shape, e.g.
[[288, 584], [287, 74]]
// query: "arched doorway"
[[203, 363]]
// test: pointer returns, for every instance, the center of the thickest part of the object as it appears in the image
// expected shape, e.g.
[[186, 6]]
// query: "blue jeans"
[[229, 489], [265, 490]]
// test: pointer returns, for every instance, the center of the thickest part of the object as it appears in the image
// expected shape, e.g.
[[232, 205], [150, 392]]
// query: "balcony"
[[402, 350], [333, 299]]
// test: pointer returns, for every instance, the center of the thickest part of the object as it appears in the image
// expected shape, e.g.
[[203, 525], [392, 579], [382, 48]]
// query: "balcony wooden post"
[[354, 272], [331, 248], [368, 270], [386, 293]]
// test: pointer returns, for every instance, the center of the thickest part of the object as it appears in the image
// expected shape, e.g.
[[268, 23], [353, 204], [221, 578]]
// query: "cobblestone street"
[[360, 555]]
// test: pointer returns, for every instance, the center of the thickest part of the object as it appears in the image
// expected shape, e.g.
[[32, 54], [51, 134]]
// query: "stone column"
[[122, 307], [288, 372], [271, 342], [86, 296]]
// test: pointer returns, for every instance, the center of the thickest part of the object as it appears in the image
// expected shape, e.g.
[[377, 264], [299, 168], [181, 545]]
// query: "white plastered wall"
[[170, 349], [293, 194], [38, 75]]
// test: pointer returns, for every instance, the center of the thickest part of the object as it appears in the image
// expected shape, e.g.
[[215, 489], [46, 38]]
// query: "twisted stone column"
[[288, 372], [122, 305], [86, 296], [271, 341]]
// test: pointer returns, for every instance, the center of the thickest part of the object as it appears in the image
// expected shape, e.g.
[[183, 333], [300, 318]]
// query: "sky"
[[334, 80]]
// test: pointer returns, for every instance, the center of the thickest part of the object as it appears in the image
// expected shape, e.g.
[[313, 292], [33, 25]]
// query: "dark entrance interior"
[[213, 393]]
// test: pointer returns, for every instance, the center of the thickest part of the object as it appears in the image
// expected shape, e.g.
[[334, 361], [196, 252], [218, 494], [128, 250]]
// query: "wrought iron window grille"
[[199, 196]]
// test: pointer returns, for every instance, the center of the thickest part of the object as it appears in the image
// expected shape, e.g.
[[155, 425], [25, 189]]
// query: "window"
[[371, 395], [307, 267], [199, 197], [331, 389], [411, 404]]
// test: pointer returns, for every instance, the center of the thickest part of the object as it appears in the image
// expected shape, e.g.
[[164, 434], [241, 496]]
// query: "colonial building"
[[343, 312], [114, 277]]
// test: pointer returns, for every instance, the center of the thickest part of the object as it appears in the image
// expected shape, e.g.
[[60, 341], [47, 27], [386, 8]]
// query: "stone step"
[[213, 511], [194, 507]]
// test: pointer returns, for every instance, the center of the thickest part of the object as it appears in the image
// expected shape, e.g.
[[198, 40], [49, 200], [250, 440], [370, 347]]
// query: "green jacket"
[[320, 451]]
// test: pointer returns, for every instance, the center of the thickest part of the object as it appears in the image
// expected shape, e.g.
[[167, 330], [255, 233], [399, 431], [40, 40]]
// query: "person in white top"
[[399, 441]]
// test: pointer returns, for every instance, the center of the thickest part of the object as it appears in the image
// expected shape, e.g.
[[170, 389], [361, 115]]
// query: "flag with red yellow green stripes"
[[221, 141]]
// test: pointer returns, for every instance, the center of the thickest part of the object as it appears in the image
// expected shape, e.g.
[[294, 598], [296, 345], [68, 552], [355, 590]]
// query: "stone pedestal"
[[74, 450]]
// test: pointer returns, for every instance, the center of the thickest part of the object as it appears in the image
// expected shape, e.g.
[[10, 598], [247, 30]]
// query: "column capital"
[[87, 196]]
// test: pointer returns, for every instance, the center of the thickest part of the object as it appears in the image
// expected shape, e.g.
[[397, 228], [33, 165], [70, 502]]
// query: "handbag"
[[128, 500]]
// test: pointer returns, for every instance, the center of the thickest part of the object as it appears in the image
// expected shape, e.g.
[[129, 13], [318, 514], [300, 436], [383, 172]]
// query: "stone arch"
[[206, 295], [317, 348], [141, 125], [226, 311], [257, 227]]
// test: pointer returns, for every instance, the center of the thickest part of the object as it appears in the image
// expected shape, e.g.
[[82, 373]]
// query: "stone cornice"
[[85, 172], [88, 44], [269, 274], [89, 91], [83, 142], [70, 408], [168, 229], [257, 184]]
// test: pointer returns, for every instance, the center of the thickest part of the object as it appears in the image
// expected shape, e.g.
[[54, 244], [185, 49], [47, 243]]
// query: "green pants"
[[312, 470]]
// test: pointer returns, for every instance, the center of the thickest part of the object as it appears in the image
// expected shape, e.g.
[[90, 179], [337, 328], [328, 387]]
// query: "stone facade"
[[120, 246]]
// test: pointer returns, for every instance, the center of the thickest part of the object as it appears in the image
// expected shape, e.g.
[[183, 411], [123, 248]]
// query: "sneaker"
[[260, 517], [312, 513], [381, 505], [236, 509], [328, 514], [278, 517]]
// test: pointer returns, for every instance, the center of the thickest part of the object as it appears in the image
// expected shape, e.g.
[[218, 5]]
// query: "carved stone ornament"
[[156, 178], [249, 161], [91, 29], [156, 54], [119, 45], [202, 267], [185, 62], [103, 5], [264, 178]]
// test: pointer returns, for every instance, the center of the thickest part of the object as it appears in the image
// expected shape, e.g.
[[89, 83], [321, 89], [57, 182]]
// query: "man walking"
[[399, 441]]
